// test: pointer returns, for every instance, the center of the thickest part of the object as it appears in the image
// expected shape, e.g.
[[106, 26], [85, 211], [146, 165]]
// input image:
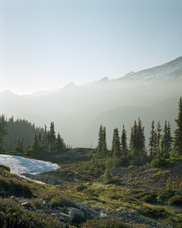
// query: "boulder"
[[40, 210], [76, 214]]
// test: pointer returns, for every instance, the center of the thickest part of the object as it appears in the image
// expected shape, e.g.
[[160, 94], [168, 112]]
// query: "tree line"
[[22, 136], [48, 142], [161, 144]]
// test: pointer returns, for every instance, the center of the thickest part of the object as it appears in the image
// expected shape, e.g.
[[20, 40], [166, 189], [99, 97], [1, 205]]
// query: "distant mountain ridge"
[[170, 70], [78, 110]]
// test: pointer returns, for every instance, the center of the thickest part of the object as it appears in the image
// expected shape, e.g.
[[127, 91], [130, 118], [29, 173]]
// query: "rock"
[[26, 204], [89, 212], [39, 210], [49, 204], [75, 213], [53, 211], [66, 217], [104, 215], [61, 218]]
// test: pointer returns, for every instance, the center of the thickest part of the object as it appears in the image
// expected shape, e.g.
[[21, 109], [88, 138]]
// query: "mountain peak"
[[169, 70], [8, 93], [70, 85], [104, 79]]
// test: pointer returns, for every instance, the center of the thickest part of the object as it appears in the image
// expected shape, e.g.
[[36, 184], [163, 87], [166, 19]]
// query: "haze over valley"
[[78, 111]]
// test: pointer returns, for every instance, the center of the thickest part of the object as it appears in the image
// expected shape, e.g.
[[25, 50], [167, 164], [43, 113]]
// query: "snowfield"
[[19, 165]]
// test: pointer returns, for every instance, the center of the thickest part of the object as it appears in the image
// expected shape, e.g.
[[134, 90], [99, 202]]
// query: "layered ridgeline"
[[78, 111]]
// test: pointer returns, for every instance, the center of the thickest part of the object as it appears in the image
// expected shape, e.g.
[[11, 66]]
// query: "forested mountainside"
[[20, 130], [22, 136]]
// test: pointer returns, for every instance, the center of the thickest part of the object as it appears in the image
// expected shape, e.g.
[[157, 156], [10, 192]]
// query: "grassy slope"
[[146, 193], [81, 181]]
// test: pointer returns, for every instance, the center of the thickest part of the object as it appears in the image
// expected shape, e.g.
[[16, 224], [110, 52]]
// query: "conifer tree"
[[152, 141], [124, 147], [170, 138], [19, 145], [107, 175], [36, 147], [100, 139], [3, 132], [102, 145], [116, 151], [157, 149], [177, 143], [45, 140], [52, 138], [60, 145], [137, 144], [166, 141]]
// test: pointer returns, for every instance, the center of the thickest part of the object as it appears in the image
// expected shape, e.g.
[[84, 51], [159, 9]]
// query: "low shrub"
[[11, 215], [5, 168], [175, 200], [155, 212], [175, 221], [95, 223], [163, 194], [81, 187], [151, 198], [61, 201], [37, 203], [14, 187], [147, 196], [161, 163]]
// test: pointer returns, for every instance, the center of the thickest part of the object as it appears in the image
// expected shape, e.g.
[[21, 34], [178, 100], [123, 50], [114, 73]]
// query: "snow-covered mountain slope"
[[168, 71]]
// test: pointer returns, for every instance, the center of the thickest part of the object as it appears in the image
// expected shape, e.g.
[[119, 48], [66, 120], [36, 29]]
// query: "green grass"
[[95, 223], [88, 190], [175, 200], [11, 215]]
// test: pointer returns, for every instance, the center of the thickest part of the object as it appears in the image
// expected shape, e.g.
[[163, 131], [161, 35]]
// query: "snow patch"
[[19, 165]]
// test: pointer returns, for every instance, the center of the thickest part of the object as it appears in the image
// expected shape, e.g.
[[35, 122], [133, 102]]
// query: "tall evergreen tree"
[[60, 145], [166, 141], [100, 139], [152, 141], [36, 147], [3, 132], [124, 147], [170, 138], [157, 149], [137, 144], [177, 143], [19, 145], [52, 138], [45, 140], [102, 145], [116, 151]]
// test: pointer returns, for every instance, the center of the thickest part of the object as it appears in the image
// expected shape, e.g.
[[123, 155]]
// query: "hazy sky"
[[46, 44]]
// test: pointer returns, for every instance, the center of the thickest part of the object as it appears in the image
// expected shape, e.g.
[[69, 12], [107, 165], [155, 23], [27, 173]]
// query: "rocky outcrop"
[[80, 212]]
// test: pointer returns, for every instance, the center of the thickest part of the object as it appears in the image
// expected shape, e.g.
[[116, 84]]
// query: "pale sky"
[[46, 44]]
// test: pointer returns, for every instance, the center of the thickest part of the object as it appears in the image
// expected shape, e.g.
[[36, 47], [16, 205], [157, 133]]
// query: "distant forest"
[[22, 136], [163, 149]]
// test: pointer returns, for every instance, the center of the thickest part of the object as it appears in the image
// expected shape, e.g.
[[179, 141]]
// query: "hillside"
[[132, 200]]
